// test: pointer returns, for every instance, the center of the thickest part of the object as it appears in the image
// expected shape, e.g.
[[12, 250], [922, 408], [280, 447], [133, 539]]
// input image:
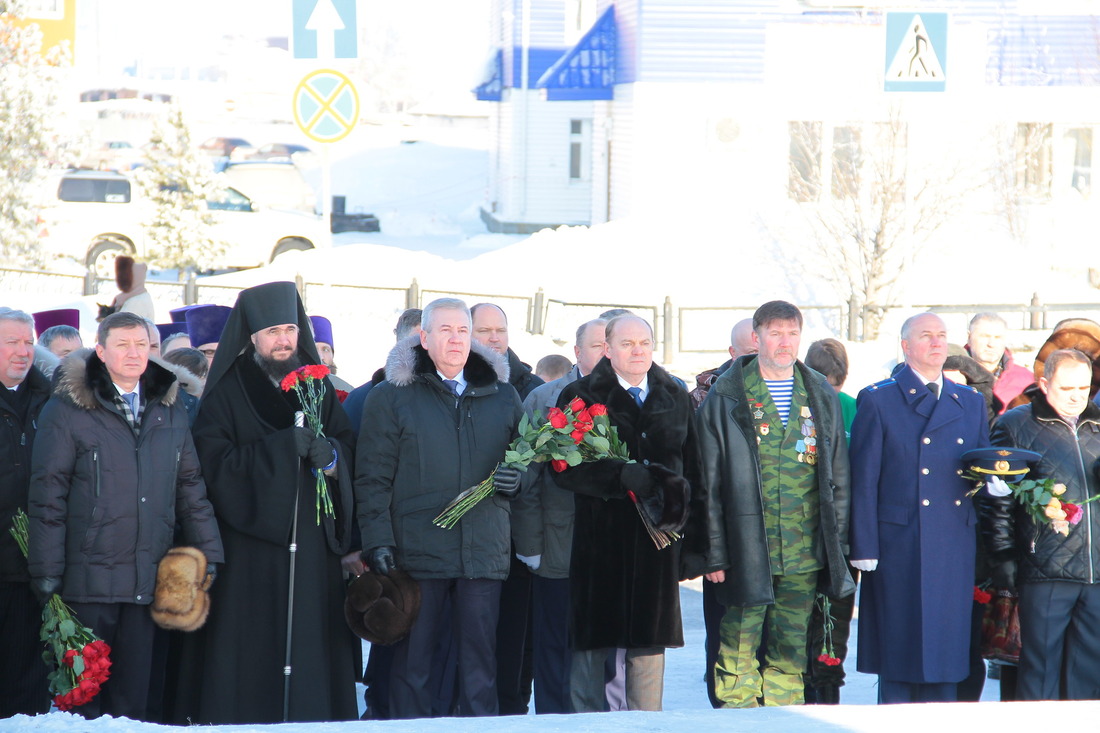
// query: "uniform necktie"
[[636, 393], [131, 400], [452, 385], [934, 389]]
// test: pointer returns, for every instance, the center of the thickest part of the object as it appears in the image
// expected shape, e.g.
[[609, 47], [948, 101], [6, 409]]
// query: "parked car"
[[279, 150], [272, 183], [93, 216], [113, 155], [227, 147]]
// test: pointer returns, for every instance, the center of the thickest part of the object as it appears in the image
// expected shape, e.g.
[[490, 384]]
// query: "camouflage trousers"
[[739, 679]]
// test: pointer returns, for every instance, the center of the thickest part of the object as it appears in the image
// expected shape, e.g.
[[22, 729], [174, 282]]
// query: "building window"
[[804, 176], [846, 162], [1081, 178], [45, 9], [1033, 159], [579, 146]]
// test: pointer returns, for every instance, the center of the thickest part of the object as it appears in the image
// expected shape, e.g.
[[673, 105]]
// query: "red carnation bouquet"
[[568, 437], [828, 655], [309, 382], [80, 660]]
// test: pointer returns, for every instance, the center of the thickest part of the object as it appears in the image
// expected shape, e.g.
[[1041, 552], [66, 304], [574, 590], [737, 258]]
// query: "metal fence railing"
[[678, 328]]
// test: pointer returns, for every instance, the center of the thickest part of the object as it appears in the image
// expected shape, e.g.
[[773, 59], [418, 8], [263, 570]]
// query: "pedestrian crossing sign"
[[916, 52]]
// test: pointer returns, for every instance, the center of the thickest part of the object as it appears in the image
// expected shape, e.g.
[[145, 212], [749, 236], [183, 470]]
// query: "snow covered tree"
[[28, 90], [178, 181], [869, 208]]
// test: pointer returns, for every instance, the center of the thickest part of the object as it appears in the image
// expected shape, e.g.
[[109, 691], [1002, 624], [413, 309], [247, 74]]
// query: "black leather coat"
[[1070, 457]]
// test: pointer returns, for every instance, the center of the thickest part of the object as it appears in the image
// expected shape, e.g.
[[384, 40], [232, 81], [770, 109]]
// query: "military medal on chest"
[[807, 444], [758, 411]]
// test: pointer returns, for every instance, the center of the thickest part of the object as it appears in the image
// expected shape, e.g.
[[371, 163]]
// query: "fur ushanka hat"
[[181, 602], [380, 608]]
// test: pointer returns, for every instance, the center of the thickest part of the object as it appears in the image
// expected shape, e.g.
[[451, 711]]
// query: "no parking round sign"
[[326, 106]]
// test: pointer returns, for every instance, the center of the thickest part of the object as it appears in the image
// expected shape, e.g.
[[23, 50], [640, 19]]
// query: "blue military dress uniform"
[[910, 510]]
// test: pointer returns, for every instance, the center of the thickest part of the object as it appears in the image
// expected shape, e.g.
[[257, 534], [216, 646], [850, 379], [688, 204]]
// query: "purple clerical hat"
[[179, 315], [167, 329], [322, 330], [57, 317], [205, 324]]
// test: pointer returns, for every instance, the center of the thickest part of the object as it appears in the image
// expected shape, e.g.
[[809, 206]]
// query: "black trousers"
[[514, 641], [475, 604], [129, 630], [23, 684], [1059, 632], [553, 657], [376, 677]]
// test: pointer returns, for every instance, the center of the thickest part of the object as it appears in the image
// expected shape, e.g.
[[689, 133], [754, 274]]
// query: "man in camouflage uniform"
[[775, 467]]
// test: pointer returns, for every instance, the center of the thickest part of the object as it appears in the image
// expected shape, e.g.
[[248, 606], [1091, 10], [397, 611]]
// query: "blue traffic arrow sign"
[[325, 29]]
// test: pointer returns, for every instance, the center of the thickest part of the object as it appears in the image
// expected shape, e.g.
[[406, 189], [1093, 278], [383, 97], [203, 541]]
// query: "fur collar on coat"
[[409, 359], [82, 376]]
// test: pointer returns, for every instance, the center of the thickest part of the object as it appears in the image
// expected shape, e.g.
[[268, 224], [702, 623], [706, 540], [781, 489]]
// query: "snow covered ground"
[[686, 708], [426, 194]]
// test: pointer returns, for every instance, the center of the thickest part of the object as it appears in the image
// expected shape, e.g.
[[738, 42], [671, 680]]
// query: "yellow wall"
[[56, 26]]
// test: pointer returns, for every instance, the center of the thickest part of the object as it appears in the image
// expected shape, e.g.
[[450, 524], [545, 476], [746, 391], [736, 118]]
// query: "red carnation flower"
[[558, 465], [597, 410], [1073, 512], [982, 596], [316, 371], [289, 381], [341, 395], [557, 418], [576, 405]]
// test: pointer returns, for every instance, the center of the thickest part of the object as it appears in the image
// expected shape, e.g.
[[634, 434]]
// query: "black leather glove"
[[211, 575], [506, 481], [315, 449], [45, 588], [380, 559], [1003, 575]]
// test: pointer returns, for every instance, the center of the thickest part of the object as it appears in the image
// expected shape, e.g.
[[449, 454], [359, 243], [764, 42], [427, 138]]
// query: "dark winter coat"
[[18, 425], [231, 670], [910, 511], [542, 515], [520, 376], [705, 380], [1070, 456], [353, 404], [419, 449], [104, 500], [735, 509], [623, 591]]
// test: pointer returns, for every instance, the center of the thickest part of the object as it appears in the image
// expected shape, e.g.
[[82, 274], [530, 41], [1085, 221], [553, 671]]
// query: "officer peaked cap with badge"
[[1011, 464]]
